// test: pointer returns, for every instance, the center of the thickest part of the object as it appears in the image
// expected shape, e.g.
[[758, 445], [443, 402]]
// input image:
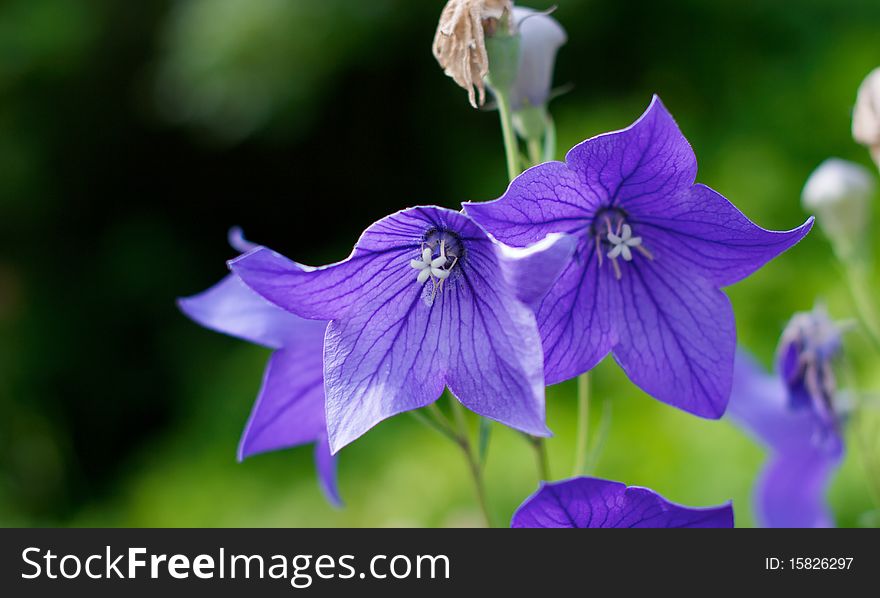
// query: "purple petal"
[[546, 199], [380, 362], [804, 451], [759, 402], [576, 317], [399, 349], [232, 308], [531, 271], [495, 361], [701, 231], [325, 463], [648, 161], [289, 410], [596, 503], [394, 343], [665, 321], [791, 492], [676, 337], [329, 292]]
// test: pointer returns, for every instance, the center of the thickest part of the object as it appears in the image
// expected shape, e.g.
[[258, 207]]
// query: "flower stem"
[[511, 148], [535, 151], [434, 424], [549, 140], [862, 299], [583, 425], [472, 459], [868, 454], [539, 446]]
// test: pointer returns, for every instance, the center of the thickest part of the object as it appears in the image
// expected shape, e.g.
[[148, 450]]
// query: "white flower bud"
[[541, 36], [866, 114], [839, 193]]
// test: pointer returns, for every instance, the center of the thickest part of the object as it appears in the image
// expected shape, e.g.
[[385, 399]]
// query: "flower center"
[[440, 253], [614, 238], [810, 343]]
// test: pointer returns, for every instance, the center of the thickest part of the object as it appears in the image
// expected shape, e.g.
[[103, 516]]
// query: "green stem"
[[549, 140], [868, 450], [583, 425], [479, 486], [435, 425], [511, 149], [533, 146], [438, 416], [472, 460], [541, 458], [862, 299]]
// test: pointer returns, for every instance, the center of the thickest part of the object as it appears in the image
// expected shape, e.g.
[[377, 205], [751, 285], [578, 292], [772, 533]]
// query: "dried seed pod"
[[460, 41]]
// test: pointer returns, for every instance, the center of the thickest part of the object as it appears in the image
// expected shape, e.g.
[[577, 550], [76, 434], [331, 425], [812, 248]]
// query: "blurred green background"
[[134, 134]]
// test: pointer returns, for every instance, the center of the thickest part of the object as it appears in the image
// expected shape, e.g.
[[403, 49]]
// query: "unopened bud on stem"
[[866, 114], [839, 193]]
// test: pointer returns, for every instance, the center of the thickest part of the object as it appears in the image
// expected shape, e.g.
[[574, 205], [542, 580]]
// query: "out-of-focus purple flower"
[[426, 300], [653, 248], [793, 413], [809, 344], [289, 410], [541, 36], [592, 502]]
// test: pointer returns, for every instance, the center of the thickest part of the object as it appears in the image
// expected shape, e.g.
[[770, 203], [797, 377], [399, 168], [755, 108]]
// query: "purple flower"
[[591, 502], [793, 414], [652, 251], [425, 300], [289, 410]]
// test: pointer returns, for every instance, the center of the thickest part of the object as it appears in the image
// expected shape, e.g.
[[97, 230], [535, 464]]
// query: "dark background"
[[134, 134]]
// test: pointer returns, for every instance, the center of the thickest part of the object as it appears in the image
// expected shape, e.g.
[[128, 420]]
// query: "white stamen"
[[433, 267], [616, 269], [622, 243]]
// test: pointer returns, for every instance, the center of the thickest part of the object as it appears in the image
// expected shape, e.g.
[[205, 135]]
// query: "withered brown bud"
[[460, 41]]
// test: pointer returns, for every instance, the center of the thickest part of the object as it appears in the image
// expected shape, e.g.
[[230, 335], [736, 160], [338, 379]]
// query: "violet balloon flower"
[[592, 502], [289, 410], [795, 414], [653, 248], [426, 300]]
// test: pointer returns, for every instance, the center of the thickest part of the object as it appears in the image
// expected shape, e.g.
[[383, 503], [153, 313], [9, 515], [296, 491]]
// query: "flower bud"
[[839, 193], [460, 41], [541, 36], [866, 114], [502, 48]]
